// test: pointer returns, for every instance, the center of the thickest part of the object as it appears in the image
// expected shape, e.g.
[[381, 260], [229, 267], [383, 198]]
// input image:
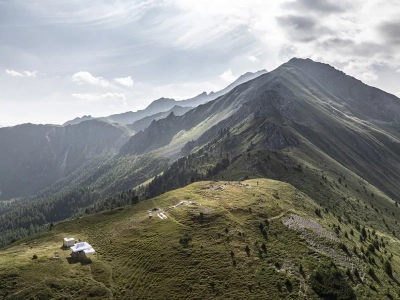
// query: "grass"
[[145, 258]]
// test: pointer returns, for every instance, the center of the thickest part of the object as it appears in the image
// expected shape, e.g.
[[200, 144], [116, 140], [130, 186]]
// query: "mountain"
[[35, 156], [242, 79], [157, 106], [146, 121], [166, 104], [330, 148], [78, 120], [301, 100]]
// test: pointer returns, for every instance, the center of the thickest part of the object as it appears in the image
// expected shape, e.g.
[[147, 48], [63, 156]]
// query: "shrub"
[[388, 268], [264, 247], [371, 272], [185, 240], [363, 232], [34, 256], [330, 283], [247, 249], [371, 248]]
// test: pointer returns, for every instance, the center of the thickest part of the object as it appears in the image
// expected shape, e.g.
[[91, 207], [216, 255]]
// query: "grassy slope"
[[142, 258], [96, 180]]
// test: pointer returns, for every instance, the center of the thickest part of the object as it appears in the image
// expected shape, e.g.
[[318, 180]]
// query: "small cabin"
[[68, 242]]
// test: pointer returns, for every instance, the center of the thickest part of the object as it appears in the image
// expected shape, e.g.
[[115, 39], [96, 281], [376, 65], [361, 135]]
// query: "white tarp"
[[82, 246], [89, 251]]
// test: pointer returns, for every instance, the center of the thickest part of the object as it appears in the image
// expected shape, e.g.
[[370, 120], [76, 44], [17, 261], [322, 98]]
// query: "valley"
[[283, 186]]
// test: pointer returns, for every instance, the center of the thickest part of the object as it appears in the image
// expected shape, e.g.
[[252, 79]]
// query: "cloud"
[[170, 43], [84, 77], [361, 69], [349, 46], [14, 73], [302, 28], [227, 76], [253, 59], [30, 74], [325, 6], [390, 31], [126, 81], [116, 97]]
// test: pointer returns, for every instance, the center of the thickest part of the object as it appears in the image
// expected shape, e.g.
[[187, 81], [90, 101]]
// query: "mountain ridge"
[[165, 104], [308, 109]]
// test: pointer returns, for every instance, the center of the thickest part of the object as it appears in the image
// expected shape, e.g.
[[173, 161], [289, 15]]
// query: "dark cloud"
[[349, 46], [391, 32], [302, 29], [321, 6]]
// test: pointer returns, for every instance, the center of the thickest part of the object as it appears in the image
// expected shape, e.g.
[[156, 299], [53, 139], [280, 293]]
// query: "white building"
[[68, 242]]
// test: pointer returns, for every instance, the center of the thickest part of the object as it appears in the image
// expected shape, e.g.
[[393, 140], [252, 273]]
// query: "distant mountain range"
[[165, 104]]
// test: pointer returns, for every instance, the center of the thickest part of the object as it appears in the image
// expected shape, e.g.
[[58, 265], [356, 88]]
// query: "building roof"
[[69, 239], [83, 246]]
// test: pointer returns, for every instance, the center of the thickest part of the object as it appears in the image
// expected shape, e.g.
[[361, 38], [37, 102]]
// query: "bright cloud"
[[30, 74], [253, 59], [14, 73], [362, 70], [125, 81], [227, 76], [87, 78]]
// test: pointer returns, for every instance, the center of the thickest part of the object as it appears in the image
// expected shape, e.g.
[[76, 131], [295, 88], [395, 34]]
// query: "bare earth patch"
[[317, 237]]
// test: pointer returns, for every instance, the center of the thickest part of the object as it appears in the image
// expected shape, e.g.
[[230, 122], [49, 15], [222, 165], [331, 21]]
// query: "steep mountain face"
[[242, 79], [302, 103], [154, 137], [146, 121], [35, 156]]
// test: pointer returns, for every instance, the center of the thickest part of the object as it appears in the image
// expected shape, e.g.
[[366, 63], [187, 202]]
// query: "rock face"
[[35, 156]]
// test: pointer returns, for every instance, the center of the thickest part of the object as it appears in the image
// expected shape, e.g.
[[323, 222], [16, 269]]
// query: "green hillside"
[[262, 239]]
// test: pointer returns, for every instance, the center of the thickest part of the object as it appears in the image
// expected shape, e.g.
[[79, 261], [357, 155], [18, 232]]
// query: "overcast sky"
[[62, 59]]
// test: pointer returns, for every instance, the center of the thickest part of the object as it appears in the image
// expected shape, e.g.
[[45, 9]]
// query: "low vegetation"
[[225, 240]]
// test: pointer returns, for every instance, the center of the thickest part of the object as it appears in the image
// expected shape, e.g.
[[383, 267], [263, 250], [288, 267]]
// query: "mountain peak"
[[308, 63], [171, 115]]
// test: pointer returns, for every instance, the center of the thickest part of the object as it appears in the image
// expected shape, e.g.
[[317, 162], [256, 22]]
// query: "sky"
[[63, 59]]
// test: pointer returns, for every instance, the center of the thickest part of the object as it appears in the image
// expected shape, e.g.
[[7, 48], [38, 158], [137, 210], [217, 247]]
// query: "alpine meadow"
[[281, 183]]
